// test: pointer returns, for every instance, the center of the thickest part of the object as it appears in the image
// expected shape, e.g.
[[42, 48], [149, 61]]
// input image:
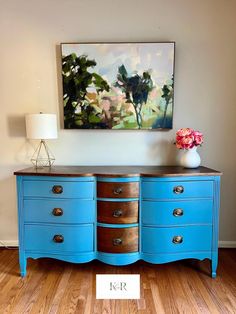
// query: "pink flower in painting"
[[105, 104], [187, 138], [120, 83]]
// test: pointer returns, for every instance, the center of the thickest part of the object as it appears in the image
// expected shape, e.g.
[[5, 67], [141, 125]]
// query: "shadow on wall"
[[59, 84], [16, 126], [164, 152]]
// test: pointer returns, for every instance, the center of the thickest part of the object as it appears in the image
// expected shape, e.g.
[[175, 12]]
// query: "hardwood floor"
[[53, 286]]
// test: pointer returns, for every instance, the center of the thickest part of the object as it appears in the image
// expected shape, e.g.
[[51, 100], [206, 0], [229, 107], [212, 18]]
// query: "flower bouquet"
[[189, 139]]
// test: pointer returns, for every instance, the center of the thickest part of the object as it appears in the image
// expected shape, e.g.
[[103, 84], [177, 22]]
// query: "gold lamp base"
[[42, 156]]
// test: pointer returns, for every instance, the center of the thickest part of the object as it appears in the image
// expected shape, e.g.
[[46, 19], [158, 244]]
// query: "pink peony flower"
[[184, 132], [197, 133], [198, 140], [178, 145], [187, 140]]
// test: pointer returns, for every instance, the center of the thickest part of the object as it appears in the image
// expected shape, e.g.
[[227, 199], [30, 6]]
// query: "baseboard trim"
[[227, 244], [8, 243], [222, 244]]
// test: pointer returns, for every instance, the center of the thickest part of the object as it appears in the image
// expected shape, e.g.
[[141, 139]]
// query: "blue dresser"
[[118, 215]]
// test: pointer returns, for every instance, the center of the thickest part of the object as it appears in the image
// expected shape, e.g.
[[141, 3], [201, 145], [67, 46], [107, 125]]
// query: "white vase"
[[190, 158]]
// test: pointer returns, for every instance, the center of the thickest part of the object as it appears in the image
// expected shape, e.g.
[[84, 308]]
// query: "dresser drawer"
[[178, 239], [59, 211], [59, 189], [57, 238], [118, 189], [117, 212], [177, 190], [177, 212], [117, 240]]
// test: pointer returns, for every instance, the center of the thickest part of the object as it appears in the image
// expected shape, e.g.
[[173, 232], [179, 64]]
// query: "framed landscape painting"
[[118, 85]]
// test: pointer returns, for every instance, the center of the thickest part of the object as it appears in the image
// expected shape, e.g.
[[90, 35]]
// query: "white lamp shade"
[[41, 126]]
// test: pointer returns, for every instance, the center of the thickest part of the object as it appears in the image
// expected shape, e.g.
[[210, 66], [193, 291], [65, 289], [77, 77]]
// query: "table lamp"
[[41, 126]]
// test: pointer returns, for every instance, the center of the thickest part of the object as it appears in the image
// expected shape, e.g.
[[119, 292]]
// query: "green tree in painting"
[[136, 89], [167, 94], [76, 79]]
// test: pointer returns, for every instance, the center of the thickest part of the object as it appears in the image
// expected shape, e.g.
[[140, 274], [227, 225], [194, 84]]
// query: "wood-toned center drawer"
[[117, 240], [159, 213], [176, 189], [59, 189], [118, 189], [58, 238], [117, 212], [177, 239], [59, 211]]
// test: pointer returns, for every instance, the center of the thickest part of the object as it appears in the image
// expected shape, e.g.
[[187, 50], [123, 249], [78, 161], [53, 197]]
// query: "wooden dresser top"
[[117, 171]]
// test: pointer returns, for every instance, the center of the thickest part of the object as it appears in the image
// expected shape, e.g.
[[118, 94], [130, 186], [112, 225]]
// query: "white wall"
[[205, 93]]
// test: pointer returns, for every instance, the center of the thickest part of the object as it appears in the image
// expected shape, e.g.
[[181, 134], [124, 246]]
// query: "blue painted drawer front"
[[74, 211], [74, 189], [162, 213], [159, 240], [165, 190], [76, 238]]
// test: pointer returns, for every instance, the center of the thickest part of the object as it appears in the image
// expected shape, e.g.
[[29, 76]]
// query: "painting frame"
[[106, 100]]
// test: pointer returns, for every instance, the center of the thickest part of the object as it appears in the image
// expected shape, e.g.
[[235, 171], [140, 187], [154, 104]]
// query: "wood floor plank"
[[63, 283], [7, 264], [193, 287], [48, 291], [166, 293], [57, 287], [184, 305], [72, 299], [28, 295]]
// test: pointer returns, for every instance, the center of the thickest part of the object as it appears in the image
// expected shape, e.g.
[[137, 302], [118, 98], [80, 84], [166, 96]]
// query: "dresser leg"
[[23, 264], [214, 263]]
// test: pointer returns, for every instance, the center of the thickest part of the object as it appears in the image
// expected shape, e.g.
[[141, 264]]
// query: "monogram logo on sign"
[[115, 286]]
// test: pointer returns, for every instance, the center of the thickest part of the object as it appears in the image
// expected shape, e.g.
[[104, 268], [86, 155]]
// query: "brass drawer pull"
[[57, 189], [117, 191], [178, 189], [177, 212], [117, 241], [117, 213], [177, 239], [57, 211], [58, 238]]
